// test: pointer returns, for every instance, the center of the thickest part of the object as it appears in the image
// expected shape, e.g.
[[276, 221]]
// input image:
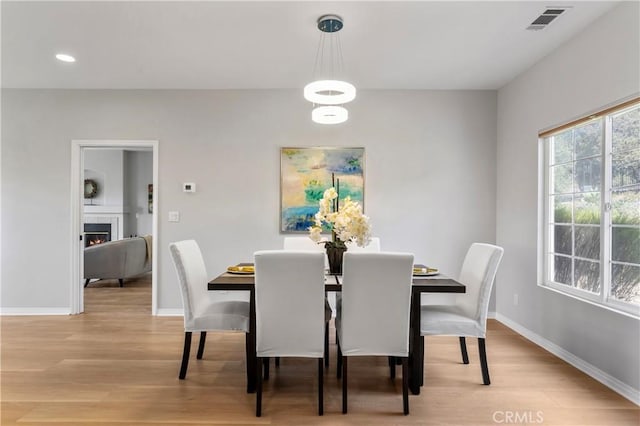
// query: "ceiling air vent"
[[546, 18]]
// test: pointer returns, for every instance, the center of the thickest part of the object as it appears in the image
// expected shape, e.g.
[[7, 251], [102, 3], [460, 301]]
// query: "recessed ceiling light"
[[65, 58]]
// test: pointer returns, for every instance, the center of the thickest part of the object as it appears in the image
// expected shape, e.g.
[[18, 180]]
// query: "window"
[[592, 208]]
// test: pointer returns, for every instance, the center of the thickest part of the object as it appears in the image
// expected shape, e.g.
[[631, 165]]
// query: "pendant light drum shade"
[[329, 92], [331, 114]]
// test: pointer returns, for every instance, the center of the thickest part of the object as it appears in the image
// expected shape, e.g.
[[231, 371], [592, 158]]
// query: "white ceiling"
[[264, 44]]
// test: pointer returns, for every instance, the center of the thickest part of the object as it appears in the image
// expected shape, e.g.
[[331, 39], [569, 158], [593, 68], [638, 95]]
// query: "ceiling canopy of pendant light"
[[327, 89]]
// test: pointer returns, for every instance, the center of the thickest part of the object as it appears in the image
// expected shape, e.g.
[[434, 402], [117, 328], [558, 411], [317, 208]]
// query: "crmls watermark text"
[[518, 417]]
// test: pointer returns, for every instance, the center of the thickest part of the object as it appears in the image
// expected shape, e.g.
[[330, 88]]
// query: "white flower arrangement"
[[346, 221]]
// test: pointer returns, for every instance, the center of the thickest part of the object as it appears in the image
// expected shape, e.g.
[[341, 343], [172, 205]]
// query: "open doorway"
[[114, 217]]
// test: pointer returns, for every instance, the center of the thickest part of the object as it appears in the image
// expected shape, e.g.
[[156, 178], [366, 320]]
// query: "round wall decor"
[[90, 188]]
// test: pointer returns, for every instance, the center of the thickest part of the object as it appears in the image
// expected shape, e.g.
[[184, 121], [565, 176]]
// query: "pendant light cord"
[[335, 58]]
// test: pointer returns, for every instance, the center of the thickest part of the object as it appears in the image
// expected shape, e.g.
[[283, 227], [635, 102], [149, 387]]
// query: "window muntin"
[[592, 235]]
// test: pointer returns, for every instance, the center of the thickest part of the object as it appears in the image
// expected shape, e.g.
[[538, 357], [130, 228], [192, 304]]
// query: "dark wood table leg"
[[421, 354], [416, 348], [250, 345]]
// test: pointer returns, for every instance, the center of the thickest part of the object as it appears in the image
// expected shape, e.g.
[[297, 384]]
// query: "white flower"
[[315, 233], [325, 206], [348, 223], [330, 193]]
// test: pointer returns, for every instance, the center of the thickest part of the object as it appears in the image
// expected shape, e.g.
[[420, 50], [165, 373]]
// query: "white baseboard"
[[34, 311], [170, 312], [491, 315], [611, 382]]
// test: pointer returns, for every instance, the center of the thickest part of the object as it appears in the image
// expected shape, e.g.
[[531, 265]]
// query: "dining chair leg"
[[326, 344], [265, 364], [483, 361], [277, 361], [344, 385], [203, 338], [86, 282], [463, 349], [258, 387], [339, 362], [405, 385], [121, 281], [392, 367], [320, 388], [185, 355]]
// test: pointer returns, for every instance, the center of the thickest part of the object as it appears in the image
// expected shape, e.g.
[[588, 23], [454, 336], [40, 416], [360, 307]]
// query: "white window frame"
[[545, 252]]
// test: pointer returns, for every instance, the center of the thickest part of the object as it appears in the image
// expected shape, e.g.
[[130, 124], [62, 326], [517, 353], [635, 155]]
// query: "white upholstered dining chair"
[[468, 317], [372, 284], [372, 247], [290, 313], [204, 310], [307, 244], [302, 243]]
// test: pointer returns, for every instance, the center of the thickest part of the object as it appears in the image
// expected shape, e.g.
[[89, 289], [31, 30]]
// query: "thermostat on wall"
[[189, 187]]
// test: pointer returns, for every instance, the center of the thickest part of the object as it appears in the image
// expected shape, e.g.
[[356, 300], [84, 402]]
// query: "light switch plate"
[[174, 216]]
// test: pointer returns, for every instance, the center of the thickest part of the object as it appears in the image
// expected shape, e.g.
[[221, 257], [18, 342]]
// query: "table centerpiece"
[[347, 224]]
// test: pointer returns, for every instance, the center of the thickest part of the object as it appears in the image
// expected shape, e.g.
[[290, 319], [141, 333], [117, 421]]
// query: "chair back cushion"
[[192, 276], [302, 243], [305, 244], [478, 274], [289, 297], [376, 299]]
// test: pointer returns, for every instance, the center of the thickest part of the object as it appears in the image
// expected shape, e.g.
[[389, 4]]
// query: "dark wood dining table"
[[432, 284]]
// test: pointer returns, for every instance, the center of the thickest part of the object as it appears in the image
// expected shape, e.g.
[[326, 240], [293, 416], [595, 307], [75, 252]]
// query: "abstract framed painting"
[[305, 173]]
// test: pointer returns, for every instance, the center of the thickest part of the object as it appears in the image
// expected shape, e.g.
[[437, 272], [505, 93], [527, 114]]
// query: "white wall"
[[430, 173], [596, 68], [138, 177]]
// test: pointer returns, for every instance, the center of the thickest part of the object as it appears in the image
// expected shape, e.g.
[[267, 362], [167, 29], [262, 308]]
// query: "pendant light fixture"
[[328, 93]]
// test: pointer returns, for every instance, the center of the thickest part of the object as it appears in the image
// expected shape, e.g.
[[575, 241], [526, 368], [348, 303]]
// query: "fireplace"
[[96, 233]]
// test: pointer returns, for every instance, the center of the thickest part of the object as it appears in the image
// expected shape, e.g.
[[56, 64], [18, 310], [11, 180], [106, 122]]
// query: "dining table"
[[436, 283]]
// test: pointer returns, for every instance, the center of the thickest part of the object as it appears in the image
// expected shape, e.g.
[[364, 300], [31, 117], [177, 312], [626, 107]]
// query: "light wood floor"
[[116, 364]]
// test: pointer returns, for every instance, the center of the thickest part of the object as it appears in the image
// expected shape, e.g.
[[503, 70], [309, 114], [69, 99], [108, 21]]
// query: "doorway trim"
[[77, 216]]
